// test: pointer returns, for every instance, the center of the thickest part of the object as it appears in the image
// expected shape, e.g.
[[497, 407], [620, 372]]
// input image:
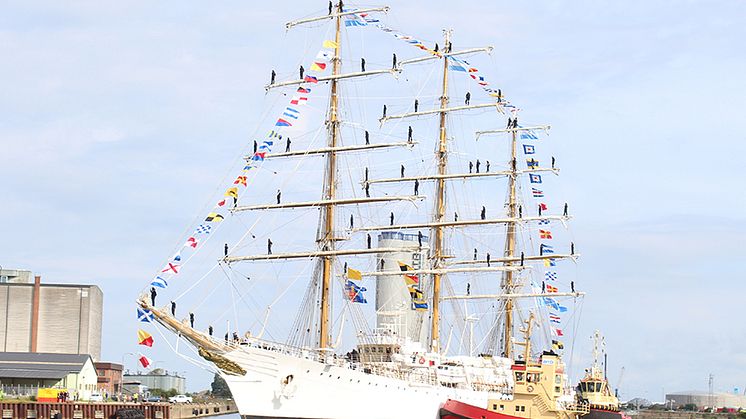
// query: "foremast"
[[440, 203], [327, 239]]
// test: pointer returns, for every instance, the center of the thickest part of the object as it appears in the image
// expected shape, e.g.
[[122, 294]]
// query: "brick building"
[[109, 377]]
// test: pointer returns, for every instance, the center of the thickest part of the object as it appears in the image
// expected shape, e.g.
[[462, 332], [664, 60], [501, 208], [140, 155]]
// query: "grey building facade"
[[50, 318], [704, 399], [158, 378]]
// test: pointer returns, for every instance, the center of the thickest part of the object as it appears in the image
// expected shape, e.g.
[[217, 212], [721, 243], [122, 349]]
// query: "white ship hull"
[[322, 391]]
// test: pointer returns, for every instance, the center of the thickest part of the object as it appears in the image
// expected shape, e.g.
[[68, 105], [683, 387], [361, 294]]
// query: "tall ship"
[[388, 247]]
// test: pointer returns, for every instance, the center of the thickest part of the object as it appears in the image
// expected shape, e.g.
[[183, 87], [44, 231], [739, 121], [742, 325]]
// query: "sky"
[[122, 119]]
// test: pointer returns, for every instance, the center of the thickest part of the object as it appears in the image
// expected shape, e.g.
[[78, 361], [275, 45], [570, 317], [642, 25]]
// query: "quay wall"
[[34, 410]]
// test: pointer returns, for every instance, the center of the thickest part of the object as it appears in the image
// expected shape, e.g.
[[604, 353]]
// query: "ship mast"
[[510, 244], [327, 239], [440, 203]]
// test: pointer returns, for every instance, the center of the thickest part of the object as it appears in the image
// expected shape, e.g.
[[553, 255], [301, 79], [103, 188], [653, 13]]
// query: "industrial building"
[[109, 377], [49, 318], [158, 379], [27, 372], [704, 399]]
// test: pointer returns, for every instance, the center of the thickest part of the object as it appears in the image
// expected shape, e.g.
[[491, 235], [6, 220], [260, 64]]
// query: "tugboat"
[[594, 389], [538, 392]]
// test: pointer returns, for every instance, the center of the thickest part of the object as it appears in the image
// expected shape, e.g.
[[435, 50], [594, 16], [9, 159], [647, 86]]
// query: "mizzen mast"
[[510, 244]]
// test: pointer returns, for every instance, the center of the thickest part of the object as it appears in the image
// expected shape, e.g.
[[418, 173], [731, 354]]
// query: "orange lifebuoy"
[[422, 360], [530, 388]]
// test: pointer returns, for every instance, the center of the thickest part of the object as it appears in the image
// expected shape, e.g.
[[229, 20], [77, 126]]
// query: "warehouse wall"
[[69, 318]]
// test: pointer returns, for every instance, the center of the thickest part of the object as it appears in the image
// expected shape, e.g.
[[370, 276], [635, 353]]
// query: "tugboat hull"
[[605, 414], [453, 409]]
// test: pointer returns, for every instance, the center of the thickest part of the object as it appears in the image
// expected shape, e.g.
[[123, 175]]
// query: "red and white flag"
[[171, 268], [144, 361], [191, 242]]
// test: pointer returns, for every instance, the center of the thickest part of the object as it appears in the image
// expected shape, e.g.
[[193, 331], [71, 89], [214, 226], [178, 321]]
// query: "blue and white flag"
[[159, 282], [545, 248], [550, 276], [203, 229], [552, 303], [528, 135], [144, 315], [534, 178]]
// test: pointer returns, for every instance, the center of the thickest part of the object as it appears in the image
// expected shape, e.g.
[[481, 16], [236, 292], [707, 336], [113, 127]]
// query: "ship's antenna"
[[440, 203], [510, 244], [327, 241]]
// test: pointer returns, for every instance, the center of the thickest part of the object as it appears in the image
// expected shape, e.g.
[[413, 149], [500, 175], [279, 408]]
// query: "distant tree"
[[220, 388], [689, 406], [164, 394]]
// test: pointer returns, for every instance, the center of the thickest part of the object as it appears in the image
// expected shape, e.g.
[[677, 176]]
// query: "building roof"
[[40, 365]]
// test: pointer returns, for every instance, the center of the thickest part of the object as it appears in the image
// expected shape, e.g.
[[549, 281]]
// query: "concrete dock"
[[81, 410]]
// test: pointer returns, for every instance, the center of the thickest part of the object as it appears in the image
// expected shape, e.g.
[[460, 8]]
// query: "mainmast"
[[327, 238], [510, 245], [440, 201]]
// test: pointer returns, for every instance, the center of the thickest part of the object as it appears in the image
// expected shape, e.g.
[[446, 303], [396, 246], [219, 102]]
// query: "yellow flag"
[[354, 274], [330, 44], [232, 192], [318, 66], [214, 217]]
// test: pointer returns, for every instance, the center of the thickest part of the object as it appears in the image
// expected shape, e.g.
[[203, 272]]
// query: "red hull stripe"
[[453, 409]]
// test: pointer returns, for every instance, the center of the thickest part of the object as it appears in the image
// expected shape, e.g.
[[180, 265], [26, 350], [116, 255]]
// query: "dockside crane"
[[619, 383]]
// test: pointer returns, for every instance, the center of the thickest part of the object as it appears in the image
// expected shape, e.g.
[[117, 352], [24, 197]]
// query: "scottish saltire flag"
[[528, 149], [550, 276], [534, 178], [528, 135], [159, 282], [144, 315], [203, 229]]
